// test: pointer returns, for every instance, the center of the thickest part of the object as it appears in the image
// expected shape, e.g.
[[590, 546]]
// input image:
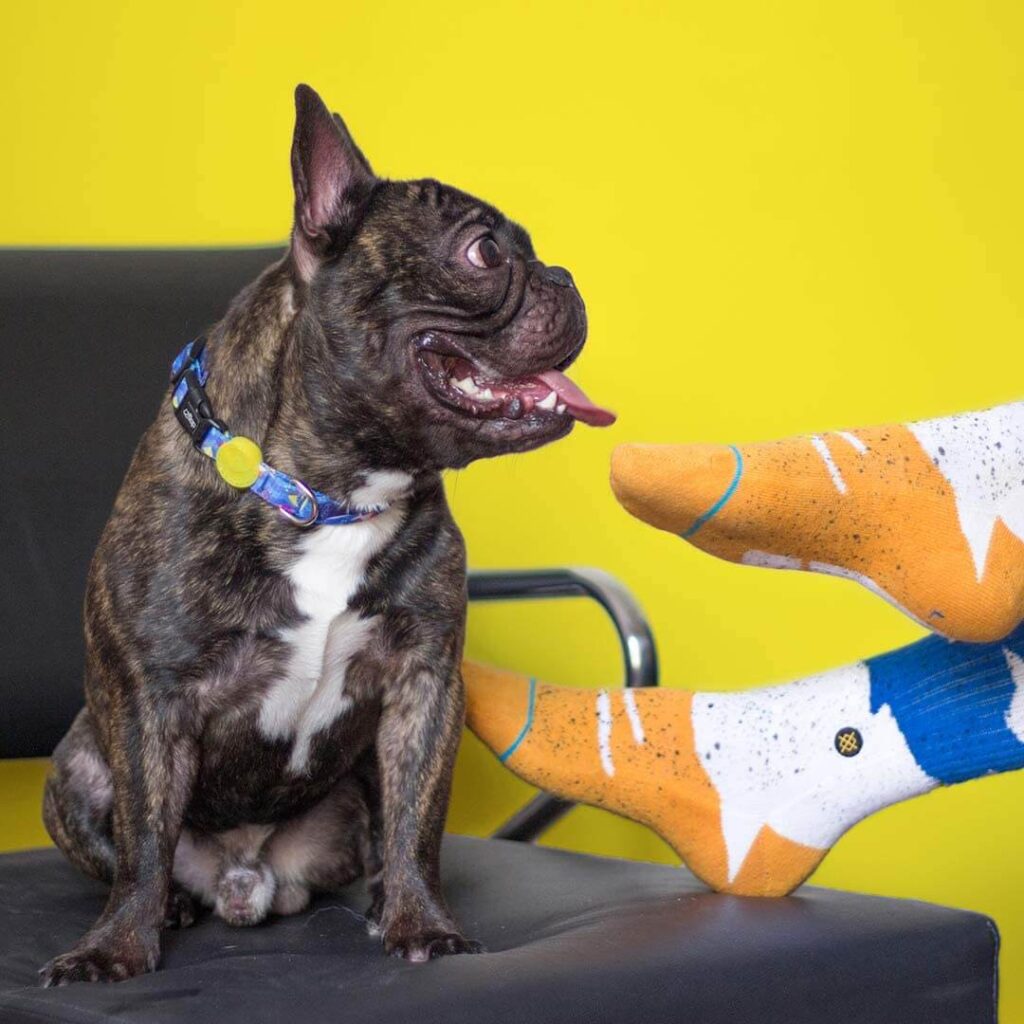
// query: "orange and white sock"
[[929, 515], [752, 788]]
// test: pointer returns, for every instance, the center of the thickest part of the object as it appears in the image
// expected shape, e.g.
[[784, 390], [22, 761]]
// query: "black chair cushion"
[[570, 938]]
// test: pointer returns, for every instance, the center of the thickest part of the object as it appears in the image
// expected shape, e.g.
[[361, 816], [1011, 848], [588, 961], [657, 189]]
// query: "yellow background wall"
[[784, 217]]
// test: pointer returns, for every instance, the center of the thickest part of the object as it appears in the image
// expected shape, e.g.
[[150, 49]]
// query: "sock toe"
[[674, 487], [498, 704]]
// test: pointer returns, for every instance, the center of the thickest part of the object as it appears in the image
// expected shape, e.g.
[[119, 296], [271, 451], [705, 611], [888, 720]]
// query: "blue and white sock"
[[805, 761]]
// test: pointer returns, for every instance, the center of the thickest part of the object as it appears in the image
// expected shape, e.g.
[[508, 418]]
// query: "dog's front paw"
[[427, 944], [110, 960]]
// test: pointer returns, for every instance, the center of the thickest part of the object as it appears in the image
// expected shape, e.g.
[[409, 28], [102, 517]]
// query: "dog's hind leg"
[[370, 842], [77, 803], [323, 850], [78, 799]]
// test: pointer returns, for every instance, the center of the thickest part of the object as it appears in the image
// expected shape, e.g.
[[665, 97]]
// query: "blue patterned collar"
[[239, 459]]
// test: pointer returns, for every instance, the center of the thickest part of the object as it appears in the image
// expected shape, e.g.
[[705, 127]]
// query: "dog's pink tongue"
[[581, 407]]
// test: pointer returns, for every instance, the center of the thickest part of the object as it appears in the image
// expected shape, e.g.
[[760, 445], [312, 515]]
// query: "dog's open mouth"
[[463, 386]]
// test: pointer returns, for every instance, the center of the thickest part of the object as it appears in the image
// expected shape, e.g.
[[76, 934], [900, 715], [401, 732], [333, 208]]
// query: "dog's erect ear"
[[332, 178]]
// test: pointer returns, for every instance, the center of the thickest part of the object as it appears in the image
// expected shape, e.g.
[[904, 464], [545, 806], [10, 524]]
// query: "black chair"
[[85, 341]]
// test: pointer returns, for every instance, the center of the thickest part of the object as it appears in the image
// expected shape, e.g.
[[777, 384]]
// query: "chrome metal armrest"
[[638, 652]]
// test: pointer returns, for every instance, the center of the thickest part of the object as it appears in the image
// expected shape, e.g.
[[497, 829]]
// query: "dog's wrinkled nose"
[[559, 276]]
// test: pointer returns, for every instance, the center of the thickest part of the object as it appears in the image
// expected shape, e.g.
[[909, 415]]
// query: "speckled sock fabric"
[[752, 789], [930, 515]]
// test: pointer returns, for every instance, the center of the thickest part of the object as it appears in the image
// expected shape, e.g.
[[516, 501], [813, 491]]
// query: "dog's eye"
[[484, 253]]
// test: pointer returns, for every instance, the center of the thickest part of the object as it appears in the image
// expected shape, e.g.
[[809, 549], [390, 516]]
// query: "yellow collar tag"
[[238, 461]]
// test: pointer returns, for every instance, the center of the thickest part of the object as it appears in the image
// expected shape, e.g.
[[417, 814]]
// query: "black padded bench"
[[570, 939], [85, 341]]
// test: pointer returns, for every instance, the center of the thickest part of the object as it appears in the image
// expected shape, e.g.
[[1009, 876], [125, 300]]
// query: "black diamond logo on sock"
[[849, 741]]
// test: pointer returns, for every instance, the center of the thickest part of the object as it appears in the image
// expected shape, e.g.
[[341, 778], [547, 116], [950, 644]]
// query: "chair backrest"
[[86, 340]]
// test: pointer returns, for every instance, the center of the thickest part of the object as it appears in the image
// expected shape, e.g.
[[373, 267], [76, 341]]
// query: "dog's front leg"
[[152, 755], [417, 741]]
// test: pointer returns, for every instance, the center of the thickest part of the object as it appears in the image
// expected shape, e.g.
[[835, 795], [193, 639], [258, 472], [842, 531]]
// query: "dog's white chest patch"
[[310, 694]]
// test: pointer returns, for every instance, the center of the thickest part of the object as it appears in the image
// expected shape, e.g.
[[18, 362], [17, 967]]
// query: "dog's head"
[[442, 326]]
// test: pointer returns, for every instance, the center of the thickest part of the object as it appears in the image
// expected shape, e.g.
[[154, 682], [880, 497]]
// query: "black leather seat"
[[570, 939], [85, 342]]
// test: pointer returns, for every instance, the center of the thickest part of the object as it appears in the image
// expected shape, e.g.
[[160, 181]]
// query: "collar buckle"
[[188, 393], [192, 408]]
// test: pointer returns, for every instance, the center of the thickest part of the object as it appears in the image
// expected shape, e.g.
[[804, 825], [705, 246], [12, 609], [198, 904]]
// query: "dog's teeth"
[[487, 394], [560, 408], [548, 404], [467, 385]]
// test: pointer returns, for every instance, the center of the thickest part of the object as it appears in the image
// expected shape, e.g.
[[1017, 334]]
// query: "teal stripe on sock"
[[720, 504], [526, 725]]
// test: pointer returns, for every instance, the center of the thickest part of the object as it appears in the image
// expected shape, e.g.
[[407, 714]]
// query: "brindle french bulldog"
[[270, 709]]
